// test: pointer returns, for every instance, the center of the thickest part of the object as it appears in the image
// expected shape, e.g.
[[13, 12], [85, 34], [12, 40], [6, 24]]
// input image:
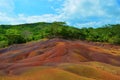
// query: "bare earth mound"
[[65, 59]]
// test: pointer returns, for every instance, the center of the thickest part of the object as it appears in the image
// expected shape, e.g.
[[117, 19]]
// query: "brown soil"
[[55, 51]]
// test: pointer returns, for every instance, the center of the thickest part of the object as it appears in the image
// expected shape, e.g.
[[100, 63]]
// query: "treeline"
[[16, 34]]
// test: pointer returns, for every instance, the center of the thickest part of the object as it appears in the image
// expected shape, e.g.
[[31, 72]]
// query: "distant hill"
[[17, 34]]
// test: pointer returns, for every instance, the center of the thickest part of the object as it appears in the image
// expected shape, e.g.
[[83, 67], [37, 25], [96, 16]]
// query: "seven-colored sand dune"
[[59, 59]]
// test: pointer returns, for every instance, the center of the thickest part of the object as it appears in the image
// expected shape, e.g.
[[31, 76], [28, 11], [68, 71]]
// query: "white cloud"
[[44, 18], [7, 15], [75, 12], [91, 12], [86, 8], [96, 24], [21, 18], [6, 6]]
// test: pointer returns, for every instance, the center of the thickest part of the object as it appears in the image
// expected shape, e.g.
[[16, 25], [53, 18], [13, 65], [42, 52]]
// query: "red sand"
[[56, 51]]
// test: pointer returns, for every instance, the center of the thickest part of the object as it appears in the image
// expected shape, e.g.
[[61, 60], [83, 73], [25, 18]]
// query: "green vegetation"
[[16, 34]]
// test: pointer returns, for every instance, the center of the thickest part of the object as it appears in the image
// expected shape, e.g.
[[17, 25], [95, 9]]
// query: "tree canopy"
[[16, 34]]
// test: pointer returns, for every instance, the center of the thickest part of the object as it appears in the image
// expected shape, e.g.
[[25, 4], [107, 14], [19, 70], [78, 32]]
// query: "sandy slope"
[[96, 58]]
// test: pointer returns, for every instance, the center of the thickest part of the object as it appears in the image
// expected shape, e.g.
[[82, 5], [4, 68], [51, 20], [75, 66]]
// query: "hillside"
[[57, 51], [60, 59], [17, 34]]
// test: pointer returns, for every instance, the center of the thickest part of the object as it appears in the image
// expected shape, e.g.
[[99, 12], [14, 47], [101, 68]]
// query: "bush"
[[114, 40], [3, 44]]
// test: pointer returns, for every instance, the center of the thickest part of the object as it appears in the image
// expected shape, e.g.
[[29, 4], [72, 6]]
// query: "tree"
[[14, 37], [27, 35], [114, 40]]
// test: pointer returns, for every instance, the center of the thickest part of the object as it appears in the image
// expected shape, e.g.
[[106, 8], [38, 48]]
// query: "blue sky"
[[79, 13]]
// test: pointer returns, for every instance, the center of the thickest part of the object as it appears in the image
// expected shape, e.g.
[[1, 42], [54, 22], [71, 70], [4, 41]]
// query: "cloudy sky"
[[79, 13]]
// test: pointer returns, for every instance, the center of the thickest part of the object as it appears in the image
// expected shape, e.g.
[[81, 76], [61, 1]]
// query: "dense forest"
[[16, 34]]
